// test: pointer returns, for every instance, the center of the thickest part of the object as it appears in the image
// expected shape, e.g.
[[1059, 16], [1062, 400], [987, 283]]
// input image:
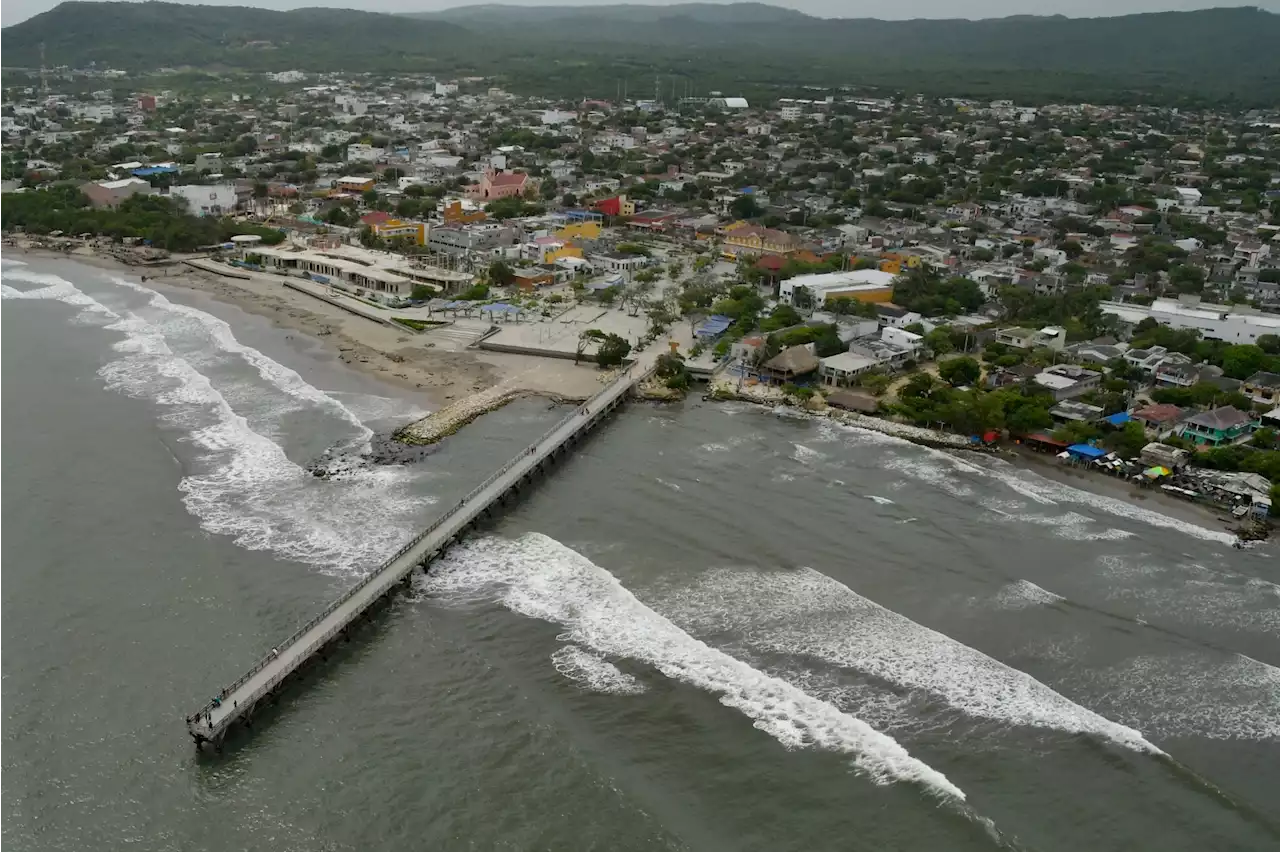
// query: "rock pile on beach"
[[384, 449], [451, 418]]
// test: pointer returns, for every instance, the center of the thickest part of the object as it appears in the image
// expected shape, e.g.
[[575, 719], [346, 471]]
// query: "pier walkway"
[[238, 701]]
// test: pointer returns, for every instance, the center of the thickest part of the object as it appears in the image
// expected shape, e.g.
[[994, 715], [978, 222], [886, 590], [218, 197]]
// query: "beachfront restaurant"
[[335, 271]]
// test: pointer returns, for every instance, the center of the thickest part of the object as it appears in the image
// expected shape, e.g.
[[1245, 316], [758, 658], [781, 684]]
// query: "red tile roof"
[[508, 179], [377, 217]]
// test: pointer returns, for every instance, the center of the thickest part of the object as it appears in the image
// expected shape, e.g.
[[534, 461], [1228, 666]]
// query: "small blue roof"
[[1086, 450], [1118, 419], [713, 325], [154, 170]]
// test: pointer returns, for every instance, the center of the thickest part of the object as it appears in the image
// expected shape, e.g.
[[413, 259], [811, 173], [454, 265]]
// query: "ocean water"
[[713, 628]]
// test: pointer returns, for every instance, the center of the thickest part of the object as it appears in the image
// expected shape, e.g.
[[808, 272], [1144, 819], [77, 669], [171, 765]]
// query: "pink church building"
[[494, 185]]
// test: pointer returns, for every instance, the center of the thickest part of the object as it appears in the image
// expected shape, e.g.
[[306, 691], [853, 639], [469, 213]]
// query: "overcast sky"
[[13, 11]]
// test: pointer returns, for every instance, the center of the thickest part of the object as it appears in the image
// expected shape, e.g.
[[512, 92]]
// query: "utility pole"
[[44, 71]]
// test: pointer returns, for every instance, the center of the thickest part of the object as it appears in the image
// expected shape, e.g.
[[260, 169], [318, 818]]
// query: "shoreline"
[[396, 356], [1201, 514]]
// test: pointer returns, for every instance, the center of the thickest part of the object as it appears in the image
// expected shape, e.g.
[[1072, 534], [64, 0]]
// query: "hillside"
[[140, 36], [746, 48]]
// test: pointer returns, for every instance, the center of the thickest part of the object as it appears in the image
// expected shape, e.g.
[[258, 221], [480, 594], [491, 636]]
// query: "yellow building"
[[393, 228], [353, 184], [567, 250], [579, 231], [454, 214], [894, 263], [753, 240]]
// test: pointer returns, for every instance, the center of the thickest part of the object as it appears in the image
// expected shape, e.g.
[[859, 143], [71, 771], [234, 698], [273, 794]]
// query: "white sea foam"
[[1022, 594], [671, 485], [810, 615], [6, 262], [53, 288], [245, 486], [1190, 592], [924, 471], [883, 501], [274, 373], [1197, 695], [594, 672], [1046, 491], [540, 578], [248, 488], [1071, 525], [806, 455]]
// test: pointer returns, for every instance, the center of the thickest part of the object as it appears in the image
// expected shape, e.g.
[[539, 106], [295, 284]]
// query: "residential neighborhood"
[[1083, 275]]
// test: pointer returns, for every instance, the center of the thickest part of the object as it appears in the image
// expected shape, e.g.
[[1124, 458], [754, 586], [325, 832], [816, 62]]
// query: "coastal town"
[[1097, 283]]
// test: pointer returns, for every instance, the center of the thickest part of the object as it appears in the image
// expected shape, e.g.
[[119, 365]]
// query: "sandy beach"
[[409, 360]]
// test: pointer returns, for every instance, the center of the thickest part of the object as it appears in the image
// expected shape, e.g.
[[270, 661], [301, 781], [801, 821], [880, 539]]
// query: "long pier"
[[237, 702]]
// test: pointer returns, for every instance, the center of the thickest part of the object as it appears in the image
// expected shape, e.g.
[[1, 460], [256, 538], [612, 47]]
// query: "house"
[[1164, 456], [789, 364], [1262, 388], [390, 229], [1160, 419], [841, 370], [1071, 410], [530, 278], [347, 183], [112, 192], [1230, 324], [1146, 360], [1051, 336], [618, 205], [619, 262], [1223, 425], [1067, 381]]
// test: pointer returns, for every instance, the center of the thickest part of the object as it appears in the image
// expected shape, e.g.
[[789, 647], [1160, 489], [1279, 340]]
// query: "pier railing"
[[372, 576]]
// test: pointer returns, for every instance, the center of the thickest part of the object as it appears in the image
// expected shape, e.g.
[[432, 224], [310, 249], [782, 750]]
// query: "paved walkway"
[[210, 722]]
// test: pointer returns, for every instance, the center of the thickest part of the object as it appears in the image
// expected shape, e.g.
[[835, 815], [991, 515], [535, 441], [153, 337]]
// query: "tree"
[[745, 207], [939, 341], [501, 273], [612, 351], [960, 371], [1243, 360], [421, 293]]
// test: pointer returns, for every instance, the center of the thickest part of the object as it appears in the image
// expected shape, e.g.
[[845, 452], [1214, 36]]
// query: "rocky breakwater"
[[451, 418]]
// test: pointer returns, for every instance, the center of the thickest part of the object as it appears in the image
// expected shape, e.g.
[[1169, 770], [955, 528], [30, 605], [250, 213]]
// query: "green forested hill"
[[742, 48], [139, 36]]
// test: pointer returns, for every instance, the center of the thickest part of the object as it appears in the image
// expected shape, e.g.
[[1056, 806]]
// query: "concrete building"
[[217, 200], [865, 285], [1230, 324], [110, 193], [1067, 381]]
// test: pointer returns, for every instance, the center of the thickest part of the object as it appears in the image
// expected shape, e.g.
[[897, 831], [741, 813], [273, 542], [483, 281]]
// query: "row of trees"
[[161, 221]]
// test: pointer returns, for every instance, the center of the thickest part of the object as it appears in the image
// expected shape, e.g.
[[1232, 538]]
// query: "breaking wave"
[[1022, 594], [538, 577], [274, 373], [243, 485], [1196, 695], [594, 672], [807, 614]]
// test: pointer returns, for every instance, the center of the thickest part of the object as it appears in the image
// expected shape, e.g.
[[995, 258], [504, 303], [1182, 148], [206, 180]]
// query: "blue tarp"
[[1118, 419], [714, 326], [1086, 451], [154, 170]]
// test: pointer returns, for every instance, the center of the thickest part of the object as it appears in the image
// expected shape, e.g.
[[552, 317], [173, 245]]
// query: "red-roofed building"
[[375, 217], [495, 184]]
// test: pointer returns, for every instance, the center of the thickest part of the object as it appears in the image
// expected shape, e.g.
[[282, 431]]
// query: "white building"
[[1230, 324], [1188, 197], [362, 153], [218, 200], [823, 284], [552, 117]]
